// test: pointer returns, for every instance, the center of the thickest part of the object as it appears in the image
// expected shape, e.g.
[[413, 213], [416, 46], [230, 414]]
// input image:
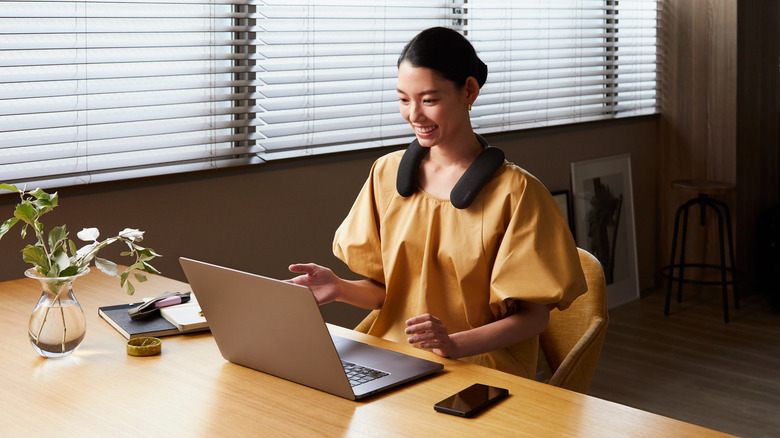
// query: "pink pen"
[[172, 301]]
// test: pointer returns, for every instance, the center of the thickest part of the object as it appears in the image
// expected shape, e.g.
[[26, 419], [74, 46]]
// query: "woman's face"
[[433, 106]]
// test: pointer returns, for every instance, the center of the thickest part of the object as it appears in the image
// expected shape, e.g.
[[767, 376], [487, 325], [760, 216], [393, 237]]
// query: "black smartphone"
[[471, 400]]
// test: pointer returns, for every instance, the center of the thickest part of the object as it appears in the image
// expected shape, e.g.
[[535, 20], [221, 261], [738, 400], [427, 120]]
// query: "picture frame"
[[604, 222], [563, 198]]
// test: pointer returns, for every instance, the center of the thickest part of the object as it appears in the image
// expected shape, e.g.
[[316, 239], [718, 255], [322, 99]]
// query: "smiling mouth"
[[423, 130]]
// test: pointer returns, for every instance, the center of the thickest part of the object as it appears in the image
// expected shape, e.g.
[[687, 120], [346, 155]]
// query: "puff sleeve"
[[536, 259], [357, 240]]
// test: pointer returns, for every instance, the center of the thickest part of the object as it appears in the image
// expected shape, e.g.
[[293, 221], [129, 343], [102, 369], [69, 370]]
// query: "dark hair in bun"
[[447, 52]]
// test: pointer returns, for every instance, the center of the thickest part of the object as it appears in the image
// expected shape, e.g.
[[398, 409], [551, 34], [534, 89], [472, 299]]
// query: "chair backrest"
[[572, 341]]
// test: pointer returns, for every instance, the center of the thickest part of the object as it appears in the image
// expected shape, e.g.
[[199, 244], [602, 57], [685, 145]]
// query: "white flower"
[[89, 234], [132, 234]]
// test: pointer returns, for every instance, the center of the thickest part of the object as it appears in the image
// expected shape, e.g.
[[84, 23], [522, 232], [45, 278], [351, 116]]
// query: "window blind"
[[95, 90], [99, 90], [327, 69], [563, 62]]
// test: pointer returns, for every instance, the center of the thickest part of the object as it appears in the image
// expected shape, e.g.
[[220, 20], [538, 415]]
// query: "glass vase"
[[57, 324]]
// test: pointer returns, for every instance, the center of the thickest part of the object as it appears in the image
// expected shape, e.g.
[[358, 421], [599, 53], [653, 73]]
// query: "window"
[[564, 61], [99, 90], [95, 90], [327, 69]]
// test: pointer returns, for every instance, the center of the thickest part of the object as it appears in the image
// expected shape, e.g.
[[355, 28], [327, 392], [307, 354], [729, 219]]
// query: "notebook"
[[276, 327], [155, 326]]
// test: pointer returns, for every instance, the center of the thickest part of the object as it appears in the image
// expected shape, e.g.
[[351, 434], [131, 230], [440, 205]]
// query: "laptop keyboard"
[[358, 374]]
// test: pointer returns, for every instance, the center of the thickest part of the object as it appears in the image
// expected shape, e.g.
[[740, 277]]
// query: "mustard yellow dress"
[[466, 267]]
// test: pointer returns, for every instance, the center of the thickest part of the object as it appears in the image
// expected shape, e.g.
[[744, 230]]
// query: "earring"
[[469, 107]]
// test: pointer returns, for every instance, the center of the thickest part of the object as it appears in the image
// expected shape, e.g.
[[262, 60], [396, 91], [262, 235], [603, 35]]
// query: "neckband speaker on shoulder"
[[468, 186]]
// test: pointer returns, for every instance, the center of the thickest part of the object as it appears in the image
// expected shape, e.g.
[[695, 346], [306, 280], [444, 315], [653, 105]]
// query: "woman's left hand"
[[428, 332]]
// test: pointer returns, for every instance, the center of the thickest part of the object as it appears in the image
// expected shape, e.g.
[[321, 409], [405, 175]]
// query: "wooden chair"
[[572, 341]]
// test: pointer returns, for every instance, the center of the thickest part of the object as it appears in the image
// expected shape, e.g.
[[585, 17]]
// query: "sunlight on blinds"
[[327, 69], [98, 90], [94, 90]]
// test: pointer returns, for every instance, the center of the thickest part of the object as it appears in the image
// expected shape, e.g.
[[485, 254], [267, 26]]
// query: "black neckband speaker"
[[468, 186]]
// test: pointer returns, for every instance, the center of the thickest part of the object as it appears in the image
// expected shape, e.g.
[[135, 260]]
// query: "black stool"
[[728, 274]]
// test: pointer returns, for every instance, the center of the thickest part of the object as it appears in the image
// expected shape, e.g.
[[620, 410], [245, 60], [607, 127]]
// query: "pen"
[[171, 301]]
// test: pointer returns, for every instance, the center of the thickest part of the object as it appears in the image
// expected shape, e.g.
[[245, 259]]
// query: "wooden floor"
[[694, 367]]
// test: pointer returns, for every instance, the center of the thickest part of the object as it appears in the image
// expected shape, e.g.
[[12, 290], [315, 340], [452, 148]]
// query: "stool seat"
[[675, 271], [703, 186]]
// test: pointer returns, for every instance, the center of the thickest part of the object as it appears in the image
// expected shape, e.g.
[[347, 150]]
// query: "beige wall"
[[263, 218]]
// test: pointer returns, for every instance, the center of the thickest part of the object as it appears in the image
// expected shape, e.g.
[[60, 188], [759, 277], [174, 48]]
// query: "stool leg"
[[682, 250], [724, 281], [671, 260], [725, 208]]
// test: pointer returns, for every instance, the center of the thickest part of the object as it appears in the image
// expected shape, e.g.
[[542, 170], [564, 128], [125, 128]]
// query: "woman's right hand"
[[325, 285], [328, 287]]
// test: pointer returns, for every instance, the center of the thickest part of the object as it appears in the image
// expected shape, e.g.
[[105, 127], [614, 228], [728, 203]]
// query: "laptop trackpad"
[[370, 356], [399, 367]]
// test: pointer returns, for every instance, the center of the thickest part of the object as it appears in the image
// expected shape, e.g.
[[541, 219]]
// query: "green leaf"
[[69, 271], [7, 225], [44, 201], [9, 187], [40, 194], [140, 277], [56, 237], [147, 254], [72, 247], [36, 256], [129, 288], [44, 206], [26, 212], [60, 259], [149, 268], [107, 266], [123, 278]]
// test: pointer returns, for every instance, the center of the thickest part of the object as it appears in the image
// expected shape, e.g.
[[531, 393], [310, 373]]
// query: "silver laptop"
[[276, 327]]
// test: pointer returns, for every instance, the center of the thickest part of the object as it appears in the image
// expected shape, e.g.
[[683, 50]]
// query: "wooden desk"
[[190, 391]]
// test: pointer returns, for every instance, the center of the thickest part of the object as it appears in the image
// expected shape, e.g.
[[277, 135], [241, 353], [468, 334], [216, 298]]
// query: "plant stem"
[[40, 329], [41, 241], [46, 316], [64, 327]]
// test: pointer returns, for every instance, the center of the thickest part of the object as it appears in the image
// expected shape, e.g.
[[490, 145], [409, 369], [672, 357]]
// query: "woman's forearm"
[[530, 320], [367, 294]]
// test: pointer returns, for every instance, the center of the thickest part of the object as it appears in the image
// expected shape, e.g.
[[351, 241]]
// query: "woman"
[[463, 252]]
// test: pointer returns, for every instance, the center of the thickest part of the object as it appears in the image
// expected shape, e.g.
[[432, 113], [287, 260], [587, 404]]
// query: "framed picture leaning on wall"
[[604, 222]]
